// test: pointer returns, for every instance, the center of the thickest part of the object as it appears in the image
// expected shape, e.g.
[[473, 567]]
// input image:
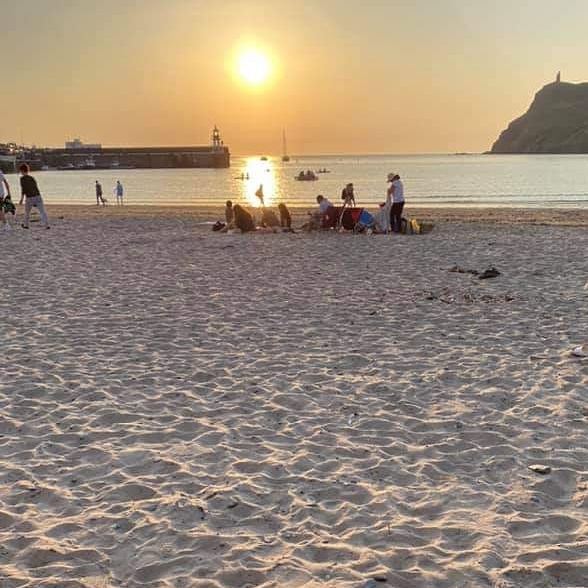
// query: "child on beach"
[[119, 192], [30, 191]]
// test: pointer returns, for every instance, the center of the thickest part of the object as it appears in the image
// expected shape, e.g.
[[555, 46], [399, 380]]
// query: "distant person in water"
[[119, 192], [229, 214], [99, 196], [30, 191], [347, 195], [4, 193], [396, 194], [260, 195]]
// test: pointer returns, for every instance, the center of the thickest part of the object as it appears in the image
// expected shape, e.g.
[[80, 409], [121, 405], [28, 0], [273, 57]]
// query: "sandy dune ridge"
[[181, 408]]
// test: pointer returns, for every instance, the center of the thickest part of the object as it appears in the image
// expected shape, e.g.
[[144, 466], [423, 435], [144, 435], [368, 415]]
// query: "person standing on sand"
[[4, 192], [119, 191], [348, 196], [396, 193], [99, 197], [30, 191]]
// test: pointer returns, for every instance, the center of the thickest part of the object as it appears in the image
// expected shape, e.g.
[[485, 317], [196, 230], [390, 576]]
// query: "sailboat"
[[285, 156]]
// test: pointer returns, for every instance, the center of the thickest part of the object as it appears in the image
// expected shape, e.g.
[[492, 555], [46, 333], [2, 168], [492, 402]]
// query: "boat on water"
[[7, 162], [285, 156], [323, 170], [88, 163], [263, 158], [306, 176]]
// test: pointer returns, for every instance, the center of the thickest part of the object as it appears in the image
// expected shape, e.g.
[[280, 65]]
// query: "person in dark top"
[[243, 219], [30, 191], [99, 196], [269, 218], [229, 214], [348, 196], [285, 217]]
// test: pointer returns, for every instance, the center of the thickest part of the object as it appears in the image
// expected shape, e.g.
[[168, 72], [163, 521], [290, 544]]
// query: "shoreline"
[[204, 213]]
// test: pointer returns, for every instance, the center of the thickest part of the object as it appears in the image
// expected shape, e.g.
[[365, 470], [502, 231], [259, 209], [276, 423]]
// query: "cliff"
[[556, 122]]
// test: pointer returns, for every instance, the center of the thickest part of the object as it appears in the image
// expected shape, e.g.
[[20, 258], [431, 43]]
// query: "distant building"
[[78, 144]]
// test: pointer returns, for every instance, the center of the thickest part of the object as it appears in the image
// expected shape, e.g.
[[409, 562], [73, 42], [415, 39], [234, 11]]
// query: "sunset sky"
[[347, 76]]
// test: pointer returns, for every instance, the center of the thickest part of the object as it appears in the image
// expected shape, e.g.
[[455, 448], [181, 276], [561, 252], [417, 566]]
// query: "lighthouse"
[[217, 144]]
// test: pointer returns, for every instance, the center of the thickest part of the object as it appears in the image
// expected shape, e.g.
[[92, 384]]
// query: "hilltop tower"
[[558, 77]]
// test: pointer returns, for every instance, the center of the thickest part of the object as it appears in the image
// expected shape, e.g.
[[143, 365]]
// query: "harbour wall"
[[136, 157]]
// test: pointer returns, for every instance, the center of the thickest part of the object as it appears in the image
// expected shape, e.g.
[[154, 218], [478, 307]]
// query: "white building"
[[77, 144]]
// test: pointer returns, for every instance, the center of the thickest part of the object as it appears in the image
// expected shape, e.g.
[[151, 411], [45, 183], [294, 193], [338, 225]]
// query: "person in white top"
[[396, 196], [4, 191], [323, 203], [316, 217]]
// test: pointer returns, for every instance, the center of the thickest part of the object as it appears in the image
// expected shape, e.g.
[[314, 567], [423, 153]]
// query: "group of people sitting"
[[239, 218], [388, 219]]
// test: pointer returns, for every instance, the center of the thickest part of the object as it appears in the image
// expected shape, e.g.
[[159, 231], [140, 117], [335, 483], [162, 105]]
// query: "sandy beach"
[[181, 408]]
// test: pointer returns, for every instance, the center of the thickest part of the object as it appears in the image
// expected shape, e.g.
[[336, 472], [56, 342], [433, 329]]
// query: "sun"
[[254, 67]]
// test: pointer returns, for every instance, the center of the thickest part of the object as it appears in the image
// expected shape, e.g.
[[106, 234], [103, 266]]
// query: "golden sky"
[[348, 76]]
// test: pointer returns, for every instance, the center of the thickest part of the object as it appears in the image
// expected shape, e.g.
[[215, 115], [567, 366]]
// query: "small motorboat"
[[306, 176], [323, 170]]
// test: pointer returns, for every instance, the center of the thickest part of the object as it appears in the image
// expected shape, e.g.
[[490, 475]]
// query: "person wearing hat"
[[347, 195], [396, 194]]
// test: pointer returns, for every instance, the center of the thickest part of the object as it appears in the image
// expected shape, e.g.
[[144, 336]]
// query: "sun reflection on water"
[[258, 172]]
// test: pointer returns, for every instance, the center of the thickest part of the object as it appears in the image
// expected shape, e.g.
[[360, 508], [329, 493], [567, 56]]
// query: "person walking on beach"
[[99, 196], [119, 191], [396, 193], [30, 191], [4, 193]]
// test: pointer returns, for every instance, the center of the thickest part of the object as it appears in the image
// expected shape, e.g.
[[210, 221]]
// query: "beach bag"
[[366, 221], [218, 226], [8, 206]]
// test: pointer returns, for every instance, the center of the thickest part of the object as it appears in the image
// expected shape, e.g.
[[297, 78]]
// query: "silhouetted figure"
[[229, 214], [99, 196], [285, 217], [243, 219], [259, 194], [348, 196]]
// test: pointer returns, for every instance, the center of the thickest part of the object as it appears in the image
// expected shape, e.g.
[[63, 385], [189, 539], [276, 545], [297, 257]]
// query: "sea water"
[[526, 181]]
